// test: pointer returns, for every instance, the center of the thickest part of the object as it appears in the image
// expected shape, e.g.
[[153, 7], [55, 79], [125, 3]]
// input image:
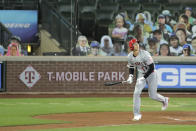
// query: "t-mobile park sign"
[[85, 76], [30, 76]]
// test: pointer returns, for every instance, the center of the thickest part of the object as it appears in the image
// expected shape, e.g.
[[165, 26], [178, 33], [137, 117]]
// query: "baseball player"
[[143, 61]]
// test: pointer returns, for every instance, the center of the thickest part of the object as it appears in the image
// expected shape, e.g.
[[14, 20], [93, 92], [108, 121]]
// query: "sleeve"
[[130, 65], [148, 58], [131, 71], [150, 70]]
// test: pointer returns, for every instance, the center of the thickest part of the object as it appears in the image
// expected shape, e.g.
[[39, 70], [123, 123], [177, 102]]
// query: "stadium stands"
[[92, 17], [87, 11]]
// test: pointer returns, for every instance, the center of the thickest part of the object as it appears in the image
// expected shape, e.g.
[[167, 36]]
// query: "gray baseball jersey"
[[142, 62]]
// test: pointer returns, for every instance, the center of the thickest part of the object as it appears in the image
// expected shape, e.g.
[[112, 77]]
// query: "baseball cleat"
[[137, 117], [165, 103]]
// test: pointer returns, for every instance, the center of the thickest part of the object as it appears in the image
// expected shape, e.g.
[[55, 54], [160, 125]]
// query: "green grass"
[[20, 111], [129, 128]]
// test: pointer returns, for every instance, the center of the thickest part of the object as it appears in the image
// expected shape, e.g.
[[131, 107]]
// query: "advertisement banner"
[[176, 76], [22, 23]]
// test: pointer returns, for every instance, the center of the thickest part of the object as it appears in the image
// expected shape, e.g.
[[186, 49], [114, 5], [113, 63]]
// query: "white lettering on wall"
[[91, 76], [184, 76], [86, 76], [100, 75], [68, 76], [172, 79], [121, 76], [17, 25], [49, 75], [60, 76]]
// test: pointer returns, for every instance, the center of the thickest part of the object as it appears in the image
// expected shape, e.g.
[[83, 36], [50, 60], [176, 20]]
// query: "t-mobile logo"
[[29, 76]]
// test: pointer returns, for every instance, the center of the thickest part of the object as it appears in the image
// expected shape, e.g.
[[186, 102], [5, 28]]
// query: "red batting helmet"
[[131, 42]]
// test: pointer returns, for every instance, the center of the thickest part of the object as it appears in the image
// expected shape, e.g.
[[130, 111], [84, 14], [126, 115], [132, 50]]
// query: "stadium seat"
[[66, 2], [88, 7], [87, 11], [30, 1], [1, 7], [160, 1], [82, 4], [30, 4], [67, 11], [87, 23], [66, 8], [104, 15], [53, 3], [151, 7], [132, 14], [103, 19], [110, 7], [18, 6], [122, 1], [142, 1], [12, 1], [101, 2], [173, 7], [130, 6], [192, 5]]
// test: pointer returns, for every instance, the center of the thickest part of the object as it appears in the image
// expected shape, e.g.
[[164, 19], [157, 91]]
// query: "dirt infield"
[[110, 118], [104, 118], [61, 95]]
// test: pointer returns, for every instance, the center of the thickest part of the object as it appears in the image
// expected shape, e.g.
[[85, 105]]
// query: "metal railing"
[[61, 29]]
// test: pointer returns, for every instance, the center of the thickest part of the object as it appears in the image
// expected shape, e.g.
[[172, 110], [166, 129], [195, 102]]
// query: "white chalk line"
[[180, 120]]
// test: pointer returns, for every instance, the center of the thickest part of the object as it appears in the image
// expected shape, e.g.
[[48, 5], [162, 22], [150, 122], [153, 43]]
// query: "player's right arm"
[[131, 67]]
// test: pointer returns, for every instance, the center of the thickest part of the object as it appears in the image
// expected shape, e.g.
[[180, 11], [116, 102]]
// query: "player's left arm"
[[150, 70]]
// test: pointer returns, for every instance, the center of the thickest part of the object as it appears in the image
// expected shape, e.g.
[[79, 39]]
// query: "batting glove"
[[130, 79], [140, 80]]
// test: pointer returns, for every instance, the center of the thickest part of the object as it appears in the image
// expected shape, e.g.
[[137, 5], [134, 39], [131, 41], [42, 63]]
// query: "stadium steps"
[[49, 45]]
